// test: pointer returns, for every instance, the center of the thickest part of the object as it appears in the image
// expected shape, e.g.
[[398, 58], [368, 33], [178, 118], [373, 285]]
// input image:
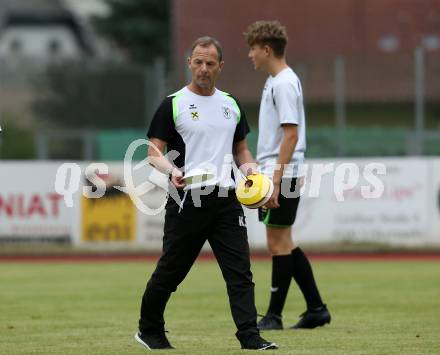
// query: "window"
[[431, 42], [389, 43], [54, 47], [15, 46]]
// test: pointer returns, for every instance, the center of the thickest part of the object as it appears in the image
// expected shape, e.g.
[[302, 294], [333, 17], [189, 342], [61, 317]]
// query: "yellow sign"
[[110, 218]]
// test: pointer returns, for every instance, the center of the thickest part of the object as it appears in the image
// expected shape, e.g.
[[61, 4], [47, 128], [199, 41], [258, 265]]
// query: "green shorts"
[[285, 215]]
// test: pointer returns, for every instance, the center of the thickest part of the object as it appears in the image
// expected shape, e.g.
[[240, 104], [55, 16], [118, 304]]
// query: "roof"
[[41, 13]]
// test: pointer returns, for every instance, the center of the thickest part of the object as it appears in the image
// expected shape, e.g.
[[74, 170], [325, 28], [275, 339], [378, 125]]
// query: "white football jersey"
[[281, 103], [202, 129]]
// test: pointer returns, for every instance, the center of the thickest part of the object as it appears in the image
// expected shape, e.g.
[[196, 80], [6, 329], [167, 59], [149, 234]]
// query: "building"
[[40, 31], [35, 34], [375, 38]]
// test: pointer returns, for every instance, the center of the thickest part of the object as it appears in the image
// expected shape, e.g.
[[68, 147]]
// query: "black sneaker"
[[153, 340], [256, 342], [270, 322], [313, 318]]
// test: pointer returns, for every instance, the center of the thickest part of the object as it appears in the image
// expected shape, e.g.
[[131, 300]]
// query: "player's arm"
[[243, 158], [287, 147], [161, 131], [157, 159], [161, 163]]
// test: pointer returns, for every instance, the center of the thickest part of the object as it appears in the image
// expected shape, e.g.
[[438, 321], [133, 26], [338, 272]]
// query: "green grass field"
[[92, 308]]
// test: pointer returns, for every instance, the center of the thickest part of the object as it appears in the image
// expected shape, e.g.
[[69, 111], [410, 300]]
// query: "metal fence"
[[394, 97], [381, 105], [61, 106]]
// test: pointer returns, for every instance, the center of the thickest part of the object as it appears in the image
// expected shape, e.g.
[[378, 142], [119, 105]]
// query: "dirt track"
[[358, 256]]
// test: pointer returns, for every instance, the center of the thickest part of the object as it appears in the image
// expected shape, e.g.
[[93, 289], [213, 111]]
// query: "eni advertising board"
[[111, 218]]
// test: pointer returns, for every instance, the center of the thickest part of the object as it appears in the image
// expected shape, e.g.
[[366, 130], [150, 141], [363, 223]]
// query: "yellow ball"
[[255, 191]]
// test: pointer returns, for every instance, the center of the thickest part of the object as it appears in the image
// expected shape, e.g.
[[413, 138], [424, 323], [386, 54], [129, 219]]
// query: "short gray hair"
[[206, 41]]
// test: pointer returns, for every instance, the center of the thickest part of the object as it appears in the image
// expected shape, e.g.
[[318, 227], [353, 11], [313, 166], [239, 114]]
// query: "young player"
[[281, 147]]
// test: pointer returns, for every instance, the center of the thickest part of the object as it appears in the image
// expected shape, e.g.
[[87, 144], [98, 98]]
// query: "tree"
[[139, 27]]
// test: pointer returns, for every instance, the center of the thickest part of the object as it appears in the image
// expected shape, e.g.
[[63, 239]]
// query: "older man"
[[207, 128]]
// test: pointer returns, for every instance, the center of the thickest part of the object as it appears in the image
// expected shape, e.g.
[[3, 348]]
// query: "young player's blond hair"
[[271, 33]]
